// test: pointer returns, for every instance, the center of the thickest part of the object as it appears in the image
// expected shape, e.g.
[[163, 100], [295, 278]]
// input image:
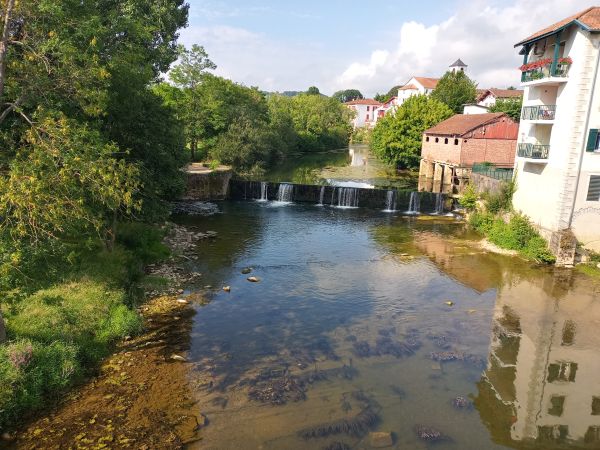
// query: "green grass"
[[58, 334], [518, 234]]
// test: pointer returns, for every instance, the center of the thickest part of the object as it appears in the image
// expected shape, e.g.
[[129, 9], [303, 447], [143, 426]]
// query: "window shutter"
[[594, 189], [592, 138]]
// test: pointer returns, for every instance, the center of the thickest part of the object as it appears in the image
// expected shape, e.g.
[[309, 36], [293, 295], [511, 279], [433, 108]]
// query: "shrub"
[[501, 201], [469, 197]]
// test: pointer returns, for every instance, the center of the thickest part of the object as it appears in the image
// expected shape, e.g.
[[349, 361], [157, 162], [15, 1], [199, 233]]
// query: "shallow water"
[[350, 314]]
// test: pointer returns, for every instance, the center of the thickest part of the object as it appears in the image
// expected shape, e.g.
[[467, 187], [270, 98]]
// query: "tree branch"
[[4, 44]]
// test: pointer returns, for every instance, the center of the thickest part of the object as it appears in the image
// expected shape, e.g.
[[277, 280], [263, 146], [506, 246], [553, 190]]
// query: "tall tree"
[[313, 90], [455, 89], [511, 106], [397, 137], [188, 76], [347, 95]]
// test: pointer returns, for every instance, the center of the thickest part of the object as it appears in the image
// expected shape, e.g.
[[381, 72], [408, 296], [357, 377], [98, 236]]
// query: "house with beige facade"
[[451, 149], [557, 168]]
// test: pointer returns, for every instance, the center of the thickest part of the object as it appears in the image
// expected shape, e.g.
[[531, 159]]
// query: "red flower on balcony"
[[536, 64], [568, 61]]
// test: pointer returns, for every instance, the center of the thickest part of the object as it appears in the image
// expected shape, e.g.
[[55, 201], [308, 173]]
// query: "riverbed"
[[336, 323]]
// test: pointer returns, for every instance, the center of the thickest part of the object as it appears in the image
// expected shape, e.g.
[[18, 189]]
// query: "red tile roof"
[[364, 101], [589, 18], [499, 93], [427, 83], [408, 87], [461, 124]]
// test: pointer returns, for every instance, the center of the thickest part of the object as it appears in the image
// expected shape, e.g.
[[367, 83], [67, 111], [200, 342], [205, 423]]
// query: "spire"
[[458, 65]]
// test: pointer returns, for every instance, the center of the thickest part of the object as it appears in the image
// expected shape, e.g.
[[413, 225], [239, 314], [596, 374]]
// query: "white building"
[[486, 98], [557, 167], [366, 112], [416, 86]]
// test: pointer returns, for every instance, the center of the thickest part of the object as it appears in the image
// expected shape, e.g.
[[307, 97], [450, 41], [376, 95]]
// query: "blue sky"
[[369, 45]]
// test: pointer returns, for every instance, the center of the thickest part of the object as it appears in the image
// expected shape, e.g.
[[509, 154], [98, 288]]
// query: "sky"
[[370, 45]]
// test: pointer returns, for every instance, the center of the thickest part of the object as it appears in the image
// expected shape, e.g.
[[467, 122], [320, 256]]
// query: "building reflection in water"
[[542, 385]]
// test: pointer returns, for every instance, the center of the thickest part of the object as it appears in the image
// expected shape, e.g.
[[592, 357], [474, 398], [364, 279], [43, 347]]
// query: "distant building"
[[458, 66], [452, 147], [558, 157], [487, 98], [416, 86], [366, 112]]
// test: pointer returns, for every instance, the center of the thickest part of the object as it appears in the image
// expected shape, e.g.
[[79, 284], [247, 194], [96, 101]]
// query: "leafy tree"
[[455, 89], [347, 95], [383, 98], [397, 137], [188, 76], [313, 90], [511, 106]]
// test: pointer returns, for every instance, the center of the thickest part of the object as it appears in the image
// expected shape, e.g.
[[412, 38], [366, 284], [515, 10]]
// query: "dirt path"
[[142, 398]]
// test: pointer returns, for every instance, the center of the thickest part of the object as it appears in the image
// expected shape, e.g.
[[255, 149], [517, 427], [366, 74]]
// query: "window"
[[593, 194], [562, 371], [455, 141], [557, 403], [367, 117], [593, 143], [446, 141], [427, 139], [595, 406], [568, 333], [368, 108], [437, 140]]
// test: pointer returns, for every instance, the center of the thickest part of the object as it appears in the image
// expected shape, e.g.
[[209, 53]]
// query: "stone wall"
[[485, 184], [208, 185]]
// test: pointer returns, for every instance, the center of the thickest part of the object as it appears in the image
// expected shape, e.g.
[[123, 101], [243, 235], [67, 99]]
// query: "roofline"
[[467, 131], [561, 29]]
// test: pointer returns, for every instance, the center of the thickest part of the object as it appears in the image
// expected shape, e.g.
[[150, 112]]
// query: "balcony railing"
[[533, 151], [541, 112], [546, 71]]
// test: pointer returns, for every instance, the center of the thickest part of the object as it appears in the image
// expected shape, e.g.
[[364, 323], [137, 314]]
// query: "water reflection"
[[365, 321]]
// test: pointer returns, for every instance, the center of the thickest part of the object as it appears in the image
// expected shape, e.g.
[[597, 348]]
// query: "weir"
[[380, 199]]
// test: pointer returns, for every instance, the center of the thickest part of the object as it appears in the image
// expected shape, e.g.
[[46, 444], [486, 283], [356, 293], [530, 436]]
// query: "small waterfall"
[[414, 205], [264, 191], [347, 197], [321, 195], [285, 193], [390, 201], [439, 203]]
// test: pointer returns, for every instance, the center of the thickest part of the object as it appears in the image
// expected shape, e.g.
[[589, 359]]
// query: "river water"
[[365, 321]]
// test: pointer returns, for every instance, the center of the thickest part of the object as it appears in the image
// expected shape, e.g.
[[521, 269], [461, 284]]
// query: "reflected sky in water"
[[365, 290]]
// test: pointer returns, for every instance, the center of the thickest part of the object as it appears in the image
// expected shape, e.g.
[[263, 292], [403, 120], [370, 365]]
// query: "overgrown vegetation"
[[503, 227], [455, 89], [512, 107], [397, 138]]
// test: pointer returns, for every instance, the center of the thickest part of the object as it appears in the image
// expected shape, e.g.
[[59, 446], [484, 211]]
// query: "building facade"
[[365, 112], [557, 168], [452, 147]]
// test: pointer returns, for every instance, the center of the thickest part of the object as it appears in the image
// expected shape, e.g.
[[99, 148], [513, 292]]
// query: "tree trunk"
[[4, 45], [2, 329], [193, 146]]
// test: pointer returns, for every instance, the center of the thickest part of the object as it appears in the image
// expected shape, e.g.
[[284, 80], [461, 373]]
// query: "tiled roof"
[[500, 93], [427, 83], [408, 87], [364, 101], [589, 18], [461, 124]]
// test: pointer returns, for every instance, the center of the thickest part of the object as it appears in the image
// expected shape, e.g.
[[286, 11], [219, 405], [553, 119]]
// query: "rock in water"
[[246, 270], [227, 288], [180, 358], [253, 279], [449, 303], [381, 439]]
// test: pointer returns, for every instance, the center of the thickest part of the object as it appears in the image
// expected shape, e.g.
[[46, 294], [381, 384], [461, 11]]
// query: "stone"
[[202, 421], [179, 358], [208, 286], [227, 288], [381, 439], [449, 303], [183, 301], [253, 279], [246, 270]]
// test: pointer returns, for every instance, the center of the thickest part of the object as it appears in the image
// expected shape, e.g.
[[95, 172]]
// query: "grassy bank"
[[492, 215], [58, 334]]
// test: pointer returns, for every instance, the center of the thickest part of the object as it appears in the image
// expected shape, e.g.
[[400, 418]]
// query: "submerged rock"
[[337, 446], [461, 403], [246, 270], [362, 349], [429, 434], [381, 439], [357, 426]]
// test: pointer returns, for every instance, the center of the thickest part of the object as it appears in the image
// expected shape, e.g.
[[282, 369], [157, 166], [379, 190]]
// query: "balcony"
[[534, 152], [546, 71], [541, 113]]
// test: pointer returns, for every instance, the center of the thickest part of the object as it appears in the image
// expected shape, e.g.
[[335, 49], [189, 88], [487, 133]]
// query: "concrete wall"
[[209, 185]]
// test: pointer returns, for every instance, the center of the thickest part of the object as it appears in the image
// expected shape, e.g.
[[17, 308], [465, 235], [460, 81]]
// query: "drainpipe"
[[587, 124]]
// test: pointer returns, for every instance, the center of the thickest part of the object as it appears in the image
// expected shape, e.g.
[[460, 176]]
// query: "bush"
[[501, 201], [468, 200]]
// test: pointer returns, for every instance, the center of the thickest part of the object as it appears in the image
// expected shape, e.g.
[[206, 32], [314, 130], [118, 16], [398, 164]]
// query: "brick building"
[[452, 147]]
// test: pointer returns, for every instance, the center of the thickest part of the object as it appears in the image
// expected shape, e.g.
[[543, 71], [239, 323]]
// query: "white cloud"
[[479, 33]]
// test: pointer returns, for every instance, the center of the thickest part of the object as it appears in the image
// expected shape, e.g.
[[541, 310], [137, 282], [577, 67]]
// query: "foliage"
[[502, 200], [384, 98], [468, 199], [512, 107], [361, 135], [56, 333], [313, 90], [518, 234], [397, 137], [455, 89], [347, 95]]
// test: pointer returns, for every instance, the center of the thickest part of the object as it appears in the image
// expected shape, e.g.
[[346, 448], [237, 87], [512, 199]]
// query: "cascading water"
[[439, 203], [285, 193], [264, 191], [390, 201], [347, 197], [414, 205], [321, 195]]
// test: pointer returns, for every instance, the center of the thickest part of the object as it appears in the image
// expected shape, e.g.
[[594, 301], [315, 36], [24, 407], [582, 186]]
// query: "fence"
[[493, 171]]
